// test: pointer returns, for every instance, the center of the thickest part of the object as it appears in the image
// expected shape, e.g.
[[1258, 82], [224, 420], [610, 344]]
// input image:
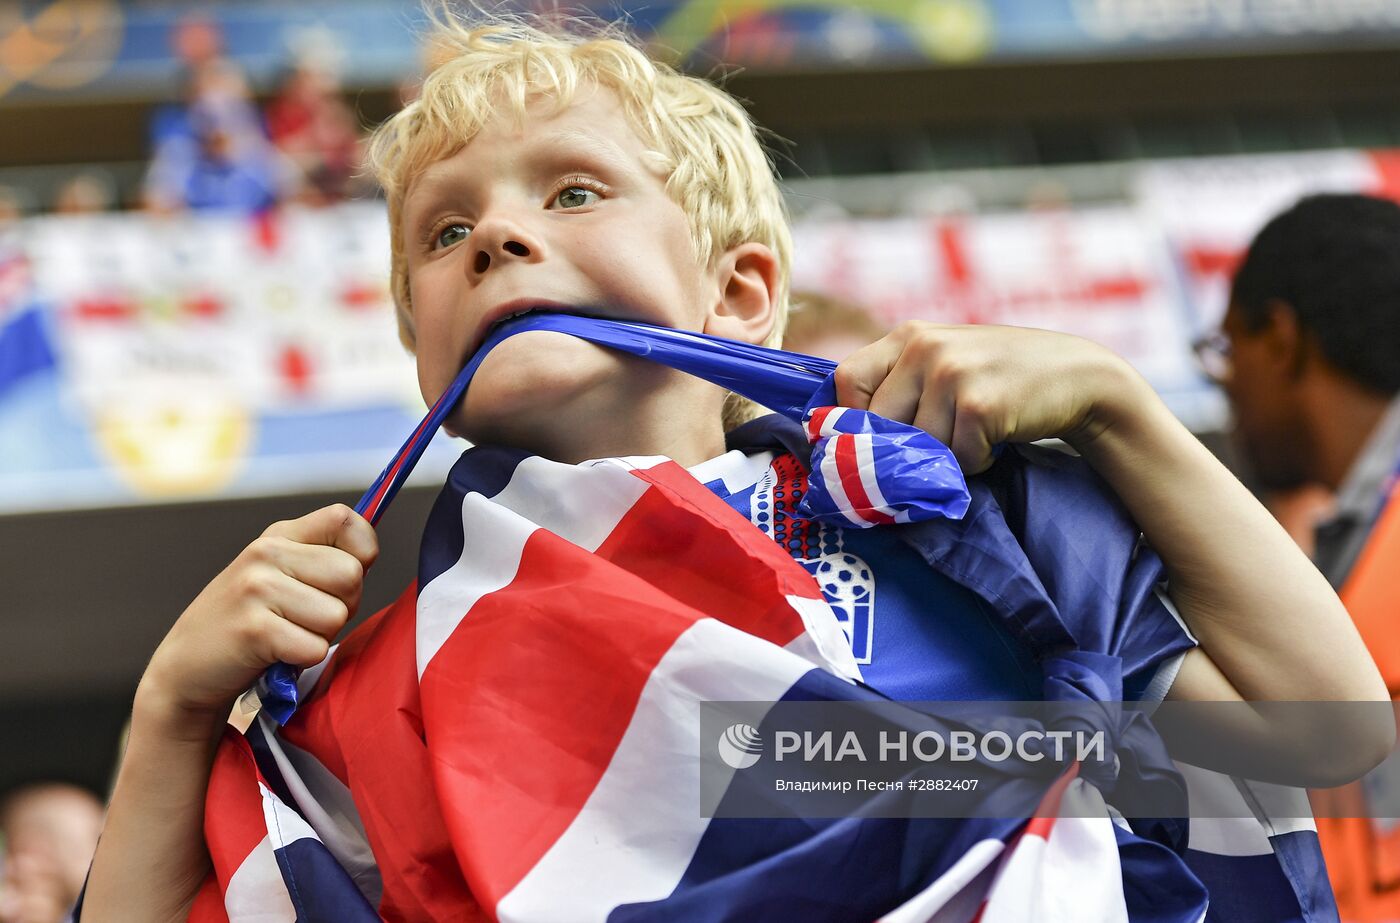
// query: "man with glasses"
[[1309, 355]]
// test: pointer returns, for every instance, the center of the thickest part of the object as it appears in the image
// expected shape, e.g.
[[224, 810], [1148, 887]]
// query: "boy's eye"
[[575, 197], [452, 234]]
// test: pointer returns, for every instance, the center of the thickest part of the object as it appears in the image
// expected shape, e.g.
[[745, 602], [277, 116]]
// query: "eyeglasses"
[[1215, 354]]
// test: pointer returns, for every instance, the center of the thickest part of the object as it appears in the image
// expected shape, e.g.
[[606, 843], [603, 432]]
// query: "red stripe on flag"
[[233, 814], [208, 904], [817, 421], [1043, 823], [315, 725], [364, 722], [687, 524], [848, 467]]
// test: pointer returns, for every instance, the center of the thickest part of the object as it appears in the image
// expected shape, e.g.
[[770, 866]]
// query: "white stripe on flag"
[[329, 808], [957, 893], [256, 892], [1232, 817], [493, 541], [636, 834], [580, 505], [829, 424], [865, 464], [1073, 876], [309, 677], [284, 825], [825, 641]]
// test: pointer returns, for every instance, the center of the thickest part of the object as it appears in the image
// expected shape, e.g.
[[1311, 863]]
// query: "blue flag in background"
[[25, 342]]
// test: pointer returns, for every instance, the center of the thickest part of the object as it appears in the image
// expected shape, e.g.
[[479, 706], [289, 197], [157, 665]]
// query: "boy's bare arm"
[[282, 599], [151, 859], [1270, 627]]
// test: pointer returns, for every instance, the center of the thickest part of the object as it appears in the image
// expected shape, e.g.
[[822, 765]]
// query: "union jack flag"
[[517, 739]]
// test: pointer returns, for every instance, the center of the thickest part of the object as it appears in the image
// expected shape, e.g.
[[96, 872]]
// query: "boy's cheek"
[[538, 370]]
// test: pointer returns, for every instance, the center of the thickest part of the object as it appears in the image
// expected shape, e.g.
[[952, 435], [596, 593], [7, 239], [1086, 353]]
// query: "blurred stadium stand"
[[1088, 163]]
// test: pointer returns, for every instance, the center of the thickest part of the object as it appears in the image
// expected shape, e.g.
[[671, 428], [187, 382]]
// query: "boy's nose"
[[482, 262], [499, 238]]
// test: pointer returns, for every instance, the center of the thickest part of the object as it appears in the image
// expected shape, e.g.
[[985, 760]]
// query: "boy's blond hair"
[[698, 136]]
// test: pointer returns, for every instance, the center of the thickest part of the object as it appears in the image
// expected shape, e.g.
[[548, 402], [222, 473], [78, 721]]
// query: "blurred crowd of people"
[[217, 147]]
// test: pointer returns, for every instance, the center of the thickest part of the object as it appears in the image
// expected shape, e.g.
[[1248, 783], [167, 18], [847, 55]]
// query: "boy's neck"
[[681, 420], [687, 449]]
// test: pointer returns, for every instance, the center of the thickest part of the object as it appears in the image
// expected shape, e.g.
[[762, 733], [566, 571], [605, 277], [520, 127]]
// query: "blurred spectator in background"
[[11, 210], [88, 193], [197, 40], [1301, 510], [831, 328], [1310, 358], [211, 152], [49, 833], [311, 124], [1309, 355]]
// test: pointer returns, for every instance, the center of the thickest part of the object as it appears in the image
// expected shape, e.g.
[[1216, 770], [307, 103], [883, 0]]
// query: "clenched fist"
[[973, 387], [283, 598]]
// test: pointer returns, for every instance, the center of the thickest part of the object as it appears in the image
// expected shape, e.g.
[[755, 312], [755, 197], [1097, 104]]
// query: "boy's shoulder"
[[1046, 487]]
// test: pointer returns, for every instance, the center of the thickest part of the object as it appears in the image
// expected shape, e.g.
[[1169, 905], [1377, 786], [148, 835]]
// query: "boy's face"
[[559, 210]]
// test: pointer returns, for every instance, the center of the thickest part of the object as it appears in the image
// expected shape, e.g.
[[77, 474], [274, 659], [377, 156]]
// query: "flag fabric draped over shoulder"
[[516, 738]]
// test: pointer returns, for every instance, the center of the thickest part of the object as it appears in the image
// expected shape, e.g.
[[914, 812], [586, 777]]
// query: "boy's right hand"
[[283, 598]]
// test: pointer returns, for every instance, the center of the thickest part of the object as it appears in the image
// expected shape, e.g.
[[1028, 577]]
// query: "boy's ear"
[[746, 300]]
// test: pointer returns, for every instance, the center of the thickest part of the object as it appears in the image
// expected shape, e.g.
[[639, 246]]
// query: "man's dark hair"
[[1335, 259]]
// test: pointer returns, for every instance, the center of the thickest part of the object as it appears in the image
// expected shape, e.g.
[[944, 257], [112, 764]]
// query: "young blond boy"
[[541, 169]]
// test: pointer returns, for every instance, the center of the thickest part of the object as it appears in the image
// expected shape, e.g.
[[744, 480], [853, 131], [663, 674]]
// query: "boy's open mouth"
[[518, 308]]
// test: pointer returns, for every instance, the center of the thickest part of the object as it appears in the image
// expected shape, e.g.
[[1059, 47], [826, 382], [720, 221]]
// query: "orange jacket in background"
[[1363, 855]]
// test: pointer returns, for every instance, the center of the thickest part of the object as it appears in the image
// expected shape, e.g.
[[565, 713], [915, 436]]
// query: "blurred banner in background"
[[197, 355]]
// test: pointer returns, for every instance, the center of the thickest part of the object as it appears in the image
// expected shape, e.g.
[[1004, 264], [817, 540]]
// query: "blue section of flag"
[[486, 473], [821, 870], [25, 347], [832, 870], [1152, 897], [1269, 888], [320, 888]]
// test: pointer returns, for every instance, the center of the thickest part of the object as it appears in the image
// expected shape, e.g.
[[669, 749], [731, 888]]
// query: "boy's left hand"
[[972, 387]]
